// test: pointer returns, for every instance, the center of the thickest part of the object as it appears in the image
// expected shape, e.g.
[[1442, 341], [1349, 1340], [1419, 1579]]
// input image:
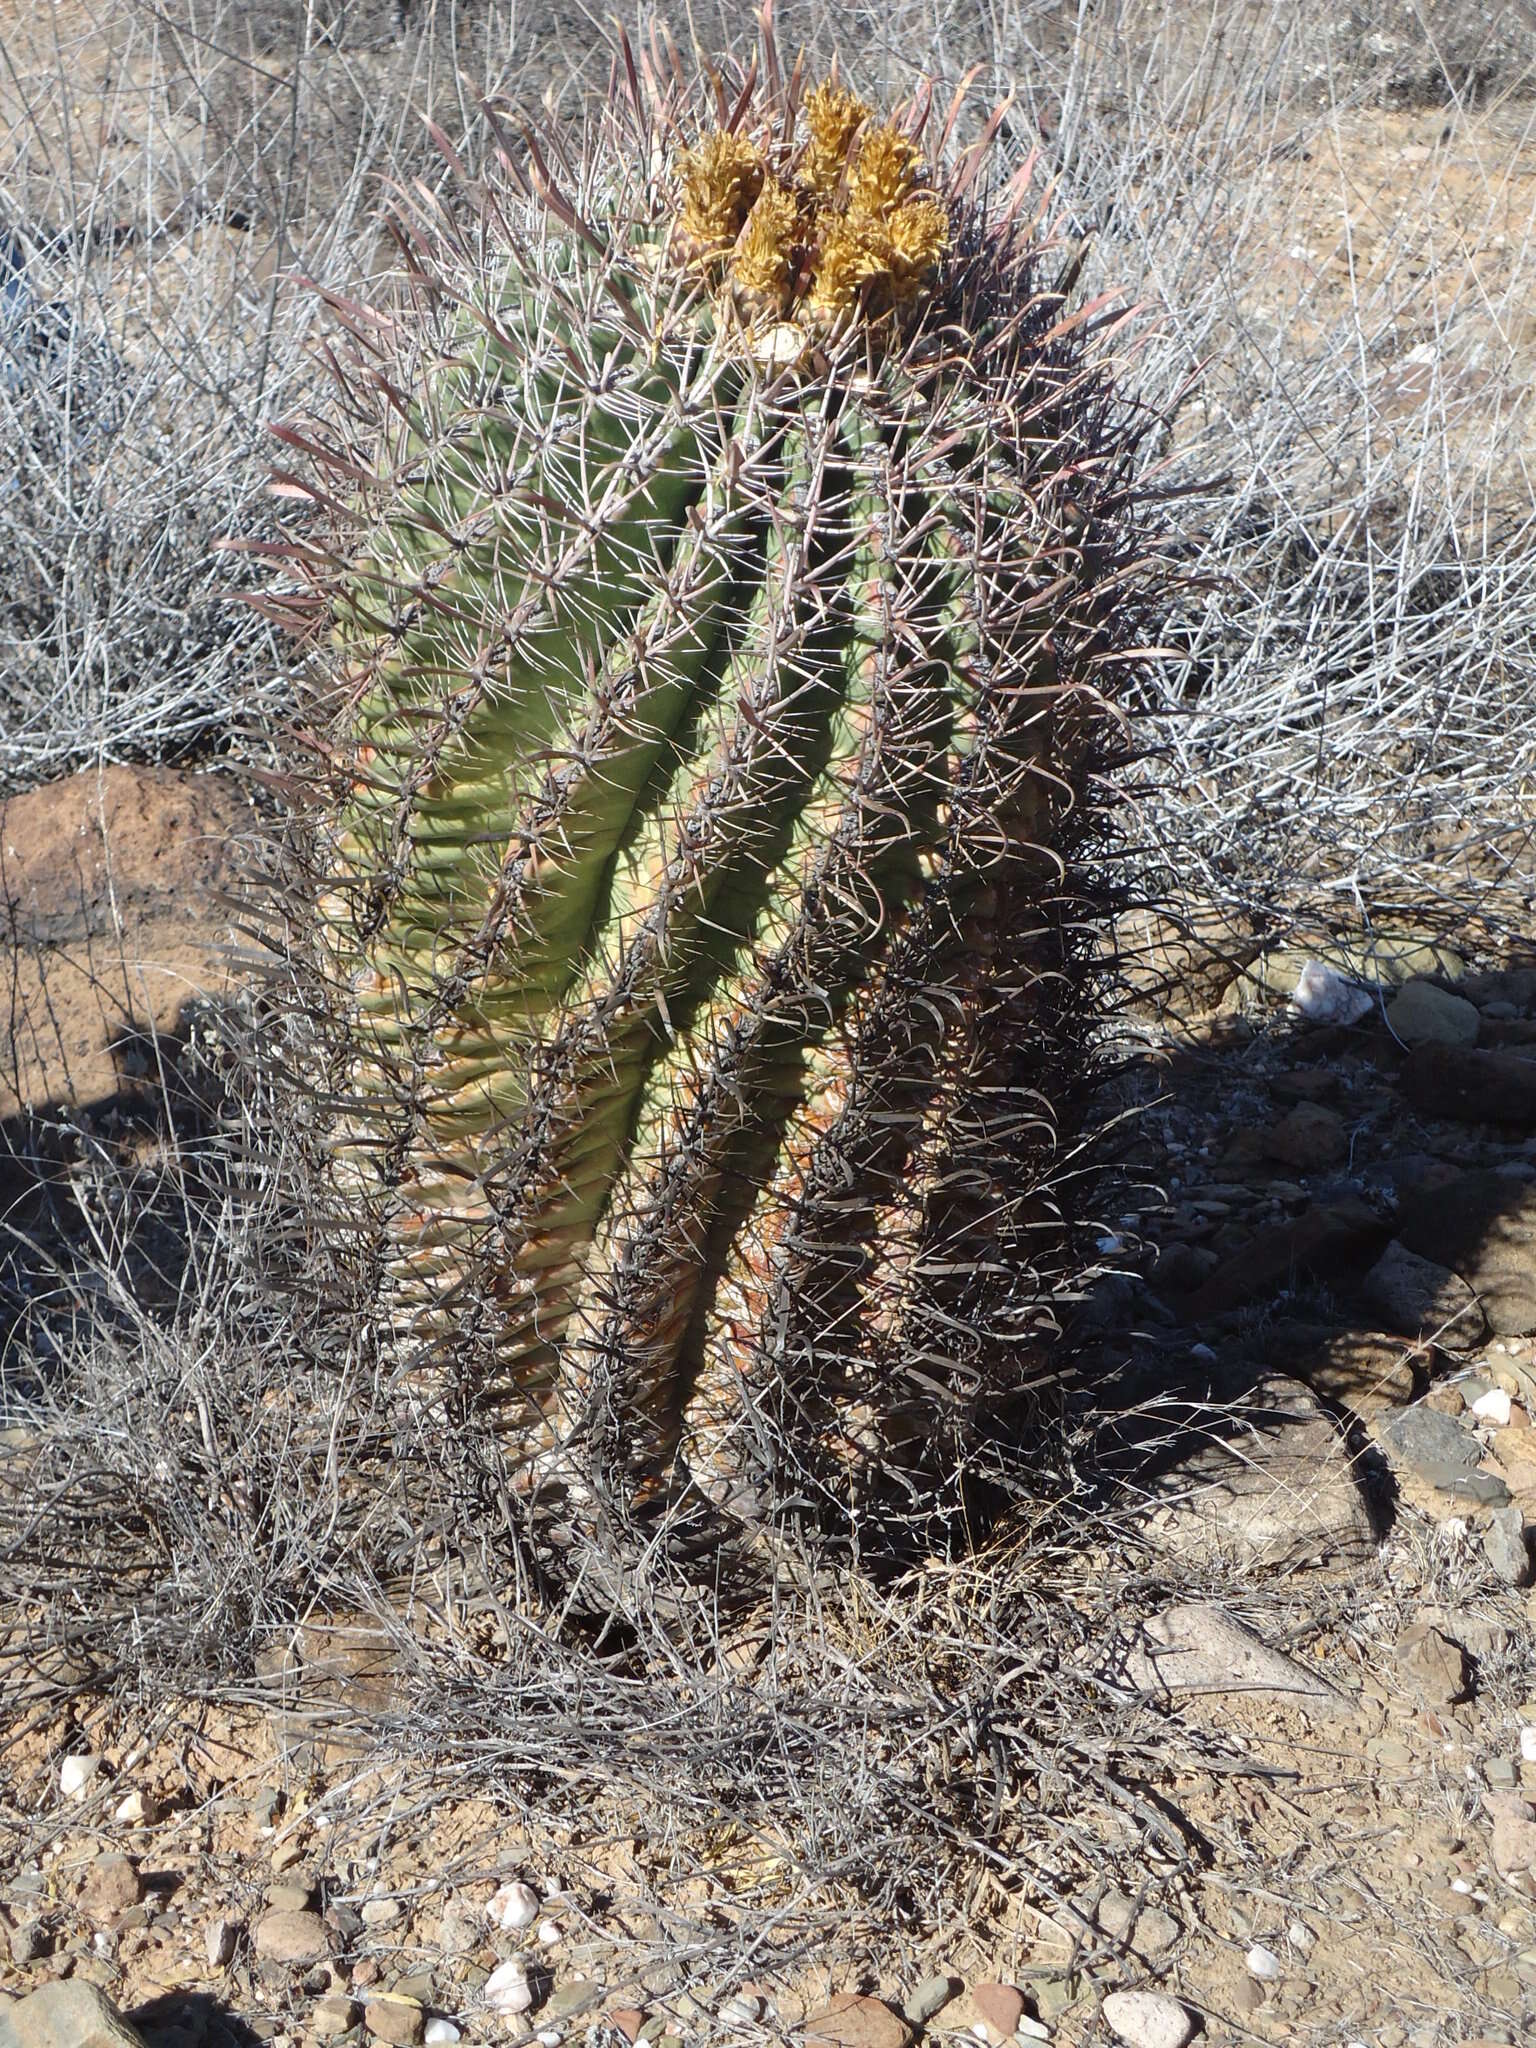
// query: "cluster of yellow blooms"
[[847, 225]]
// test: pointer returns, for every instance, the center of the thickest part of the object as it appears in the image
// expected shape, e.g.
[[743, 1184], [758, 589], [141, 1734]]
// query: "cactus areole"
[[738, 562]]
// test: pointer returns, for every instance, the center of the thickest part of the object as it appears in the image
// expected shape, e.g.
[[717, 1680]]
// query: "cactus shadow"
[[1264, 1167], [103, 1202], [191, 2019]]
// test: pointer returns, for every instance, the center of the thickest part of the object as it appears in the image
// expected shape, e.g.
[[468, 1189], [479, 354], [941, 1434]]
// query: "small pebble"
[[1030, 2029], [740, 2010], [549, 2037], [76, 1773], [936, 1992], [440, 2032], [514, 1907], [1528, 1743], [1147, 2019], [380, 1912], [1301, 1937], [549, 1932], [1264, 1964], [134, 1811], [219, 1938], [1001, 2006], [398, 2021], [1492, 1407], [507, 1989]]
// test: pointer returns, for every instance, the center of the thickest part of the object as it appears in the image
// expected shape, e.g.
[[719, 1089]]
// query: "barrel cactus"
[[736, 559]]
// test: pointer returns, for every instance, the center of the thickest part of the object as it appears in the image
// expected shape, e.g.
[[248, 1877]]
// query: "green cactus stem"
[[733, 573]]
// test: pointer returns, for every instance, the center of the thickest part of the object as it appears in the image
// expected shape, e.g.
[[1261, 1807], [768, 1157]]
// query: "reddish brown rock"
[[291, 1938], [854, 2021], [112, 1886], [1001, 2006], [1472, 1085], [1309, 1138]]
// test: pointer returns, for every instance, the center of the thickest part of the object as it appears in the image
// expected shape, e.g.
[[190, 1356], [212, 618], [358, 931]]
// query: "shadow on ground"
[[191, 2020], [1320, 1234]]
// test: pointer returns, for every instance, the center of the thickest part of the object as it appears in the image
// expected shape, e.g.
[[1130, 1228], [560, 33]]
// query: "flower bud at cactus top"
[[841, 223], [701, 903]]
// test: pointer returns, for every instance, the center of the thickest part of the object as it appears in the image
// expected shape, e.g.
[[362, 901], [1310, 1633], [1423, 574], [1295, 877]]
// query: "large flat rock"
[[1471, 1086], [1200, 1649], [65, 2016], [1262, 1481], [110, 924]]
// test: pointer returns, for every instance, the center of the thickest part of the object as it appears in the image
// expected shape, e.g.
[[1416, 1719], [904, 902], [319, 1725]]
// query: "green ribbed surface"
[[696, 899]]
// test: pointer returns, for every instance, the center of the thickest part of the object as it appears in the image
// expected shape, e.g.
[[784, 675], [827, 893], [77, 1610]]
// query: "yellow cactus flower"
[[919, 234], [853, 252], [855, 200], [834, 116], [721, 182], [882, 262], [762, 268], [885, 172]]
